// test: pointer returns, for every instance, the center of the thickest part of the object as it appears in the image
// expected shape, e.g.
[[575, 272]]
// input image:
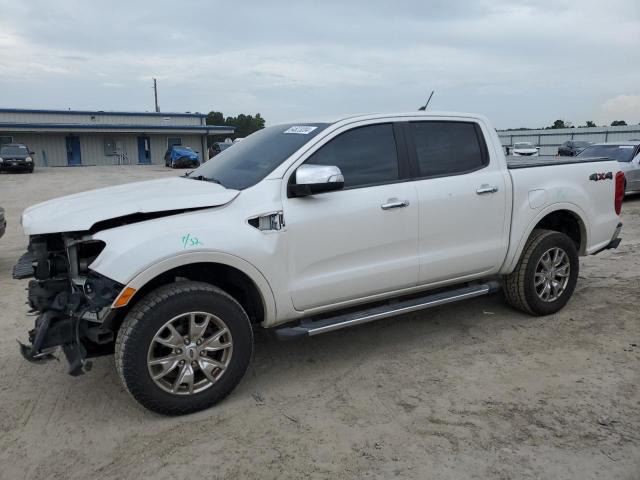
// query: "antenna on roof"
[[423, 108], [155, 94]]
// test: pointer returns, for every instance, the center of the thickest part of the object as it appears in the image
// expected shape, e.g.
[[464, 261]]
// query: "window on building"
[[447, 148], [5, 139], [171, 141], [110, 147], [364, 155]]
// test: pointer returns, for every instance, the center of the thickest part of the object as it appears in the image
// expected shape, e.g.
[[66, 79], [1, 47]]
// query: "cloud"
[[521, 62], [621, 107]]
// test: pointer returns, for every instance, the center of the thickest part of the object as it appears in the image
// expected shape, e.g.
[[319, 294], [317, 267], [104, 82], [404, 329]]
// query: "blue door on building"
[[144, 150], [73, 151]]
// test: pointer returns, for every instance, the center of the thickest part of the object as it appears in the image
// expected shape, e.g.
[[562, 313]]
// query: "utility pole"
[[155, 94]]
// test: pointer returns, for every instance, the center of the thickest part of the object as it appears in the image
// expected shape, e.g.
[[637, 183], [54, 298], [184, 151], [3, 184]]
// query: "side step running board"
[[311, 327]]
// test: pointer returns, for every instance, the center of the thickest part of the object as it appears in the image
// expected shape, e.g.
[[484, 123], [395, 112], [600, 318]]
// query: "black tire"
[[519, 286], [148, 316]]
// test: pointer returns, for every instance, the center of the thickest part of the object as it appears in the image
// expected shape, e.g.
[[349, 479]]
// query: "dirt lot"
[[474, 390]]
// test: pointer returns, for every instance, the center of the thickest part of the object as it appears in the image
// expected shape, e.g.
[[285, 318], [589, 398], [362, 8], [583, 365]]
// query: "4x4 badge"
[[601, 176]]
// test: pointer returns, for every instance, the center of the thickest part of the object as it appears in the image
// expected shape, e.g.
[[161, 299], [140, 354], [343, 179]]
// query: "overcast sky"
[[520, 62]]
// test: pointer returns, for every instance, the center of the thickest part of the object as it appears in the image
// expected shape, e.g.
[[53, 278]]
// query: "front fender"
[[137, 253], [268, 299]]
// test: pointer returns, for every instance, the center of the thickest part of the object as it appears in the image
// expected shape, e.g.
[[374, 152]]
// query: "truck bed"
[[548, 160]]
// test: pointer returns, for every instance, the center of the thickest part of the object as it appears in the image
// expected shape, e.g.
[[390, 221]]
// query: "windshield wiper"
[[206, 179]]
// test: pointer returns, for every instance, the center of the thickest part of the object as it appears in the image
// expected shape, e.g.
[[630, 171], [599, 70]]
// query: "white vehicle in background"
[[304, 229], [627, 153], [524, 149]]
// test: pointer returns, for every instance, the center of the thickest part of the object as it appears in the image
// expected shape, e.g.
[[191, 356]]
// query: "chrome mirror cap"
[[314, 174], [312, 179]]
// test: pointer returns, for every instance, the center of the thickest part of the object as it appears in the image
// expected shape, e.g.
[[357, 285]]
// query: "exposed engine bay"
[[71, 302]]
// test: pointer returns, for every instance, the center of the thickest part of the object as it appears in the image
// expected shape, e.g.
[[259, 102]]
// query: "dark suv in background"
[[571, 148], [16, 156]]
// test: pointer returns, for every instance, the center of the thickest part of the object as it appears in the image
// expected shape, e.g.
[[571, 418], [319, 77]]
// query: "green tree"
[[215, 118], [618, 123], [559, 124], [590, 123], [244, 124]]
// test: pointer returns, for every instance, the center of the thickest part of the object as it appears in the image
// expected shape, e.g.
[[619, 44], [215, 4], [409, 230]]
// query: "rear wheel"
[[183, 348], [546, 274]]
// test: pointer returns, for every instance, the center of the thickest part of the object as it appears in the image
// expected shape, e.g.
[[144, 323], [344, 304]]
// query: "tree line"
[[244, 124]]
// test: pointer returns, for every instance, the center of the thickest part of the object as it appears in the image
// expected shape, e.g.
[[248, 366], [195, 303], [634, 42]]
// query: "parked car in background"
[[524, 149], [571, 148], [304, 229], [3, 222], [627, 153], [16, 156], [181, 157], [219, 147]]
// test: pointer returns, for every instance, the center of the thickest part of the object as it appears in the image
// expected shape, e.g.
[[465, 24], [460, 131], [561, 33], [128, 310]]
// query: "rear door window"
[[448, 148], [365, 155]]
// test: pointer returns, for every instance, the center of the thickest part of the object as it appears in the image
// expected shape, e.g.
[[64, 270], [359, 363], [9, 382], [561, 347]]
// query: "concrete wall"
[[39, 117], [51, 149], [550, 140]]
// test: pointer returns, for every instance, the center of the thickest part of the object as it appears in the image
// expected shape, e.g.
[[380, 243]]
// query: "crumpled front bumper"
[[70, 316]]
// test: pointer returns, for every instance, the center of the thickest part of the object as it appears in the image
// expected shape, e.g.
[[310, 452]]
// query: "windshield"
[[256, 156], [622, 153], [581, 144], [523, 145], [183, 149], [13, 150]]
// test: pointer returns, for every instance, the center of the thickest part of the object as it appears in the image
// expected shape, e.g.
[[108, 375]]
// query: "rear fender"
[[515, 250]]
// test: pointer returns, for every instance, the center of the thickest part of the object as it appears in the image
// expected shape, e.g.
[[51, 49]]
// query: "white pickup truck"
[[304, 229]]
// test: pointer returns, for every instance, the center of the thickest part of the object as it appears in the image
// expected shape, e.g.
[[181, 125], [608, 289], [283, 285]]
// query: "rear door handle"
[[486, 189], [395, 204]]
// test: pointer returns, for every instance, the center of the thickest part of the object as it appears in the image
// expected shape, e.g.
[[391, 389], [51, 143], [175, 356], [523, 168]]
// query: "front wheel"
[[546, 274], [183, 348]]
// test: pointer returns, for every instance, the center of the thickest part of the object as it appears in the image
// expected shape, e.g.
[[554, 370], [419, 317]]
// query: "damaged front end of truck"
[[71, 303], [76, 308]]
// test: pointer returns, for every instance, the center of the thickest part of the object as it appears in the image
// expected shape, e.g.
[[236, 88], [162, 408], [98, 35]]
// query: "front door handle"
[[395, 204], [486, 189]]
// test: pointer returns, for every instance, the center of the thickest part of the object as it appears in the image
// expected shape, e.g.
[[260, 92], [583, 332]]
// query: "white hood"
[[79, 212]]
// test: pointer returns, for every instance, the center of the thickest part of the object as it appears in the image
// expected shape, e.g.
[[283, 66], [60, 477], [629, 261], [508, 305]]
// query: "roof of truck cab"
[[372, 116]]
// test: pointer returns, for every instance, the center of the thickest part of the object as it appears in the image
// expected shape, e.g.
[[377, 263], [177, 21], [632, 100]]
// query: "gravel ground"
[[473, 390]]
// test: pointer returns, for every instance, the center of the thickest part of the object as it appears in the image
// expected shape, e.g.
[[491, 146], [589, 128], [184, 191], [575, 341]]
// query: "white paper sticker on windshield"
[[626, 146], [300, 129]]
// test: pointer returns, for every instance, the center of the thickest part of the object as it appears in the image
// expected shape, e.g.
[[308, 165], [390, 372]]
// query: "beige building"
[[72, 138]]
